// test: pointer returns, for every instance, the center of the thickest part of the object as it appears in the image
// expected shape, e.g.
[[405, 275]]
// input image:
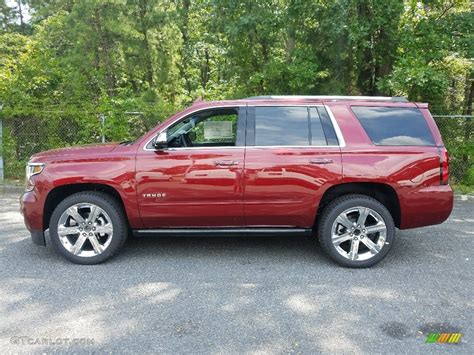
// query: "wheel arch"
[[383, 193], [59, 193]]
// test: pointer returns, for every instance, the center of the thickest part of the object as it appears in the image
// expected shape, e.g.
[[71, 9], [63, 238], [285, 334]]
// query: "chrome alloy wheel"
[[358, 233], [85, 230]]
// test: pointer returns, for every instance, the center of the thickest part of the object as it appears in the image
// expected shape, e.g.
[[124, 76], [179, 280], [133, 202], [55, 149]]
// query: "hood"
[[80, 151]]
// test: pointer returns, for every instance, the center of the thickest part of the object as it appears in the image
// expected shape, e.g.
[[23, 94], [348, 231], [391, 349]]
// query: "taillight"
[[444, 167]]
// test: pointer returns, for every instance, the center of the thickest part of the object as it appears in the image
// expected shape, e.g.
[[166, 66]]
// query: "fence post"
[[102, 126]]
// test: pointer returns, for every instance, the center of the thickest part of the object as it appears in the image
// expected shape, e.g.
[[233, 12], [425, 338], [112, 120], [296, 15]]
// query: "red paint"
[[199, 193], [271, 186], [282, 186]]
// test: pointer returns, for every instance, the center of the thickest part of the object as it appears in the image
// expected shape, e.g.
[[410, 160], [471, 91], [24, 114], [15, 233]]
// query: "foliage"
[[70, 62]]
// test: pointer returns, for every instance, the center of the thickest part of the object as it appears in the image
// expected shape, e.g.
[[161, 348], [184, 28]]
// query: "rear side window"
[[394, 125], [281, 126], [316, 133], [325, 122], [293, 126]]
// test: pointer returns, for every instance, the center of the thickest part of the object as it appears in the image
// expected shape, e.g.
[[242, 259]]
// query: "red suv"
[[347, 169]]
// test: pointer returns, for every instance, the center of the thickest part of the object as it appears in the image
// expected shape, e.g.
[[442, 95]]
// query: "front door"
[[292, 157], [197, 181]]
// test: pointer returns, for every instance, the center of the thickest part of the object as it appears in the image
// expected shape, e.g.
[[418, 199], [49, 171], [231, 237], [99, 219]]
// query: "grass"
[[463, 189], [14, 182]]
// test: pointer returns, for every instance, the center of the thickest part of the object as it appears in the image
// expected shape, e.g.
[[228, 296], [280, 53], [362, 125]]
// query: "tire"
[[348, 244], [98, 240]]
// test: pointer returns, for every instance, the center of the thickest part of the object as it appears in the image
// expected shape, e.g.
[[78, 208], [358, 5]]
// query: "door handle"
[[321, 161], [226, 162]]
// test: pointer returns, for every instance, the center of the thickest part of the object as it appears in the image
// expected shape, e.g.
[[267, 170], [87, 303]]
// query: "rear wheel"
[[88, 227], [356, 231]]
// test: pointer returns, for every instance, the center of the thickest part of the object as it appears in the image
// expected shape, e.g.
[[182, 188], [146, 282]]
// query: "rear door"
[[292, 157]]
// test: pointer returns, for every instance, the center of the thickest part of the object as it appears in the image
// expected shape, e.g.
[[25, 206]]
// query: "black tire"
[[115, 213], [337, 207]]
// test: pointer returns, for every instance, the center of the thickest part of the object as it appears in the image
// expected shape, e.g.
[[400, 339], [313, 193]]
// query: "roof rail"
[[329, 98]]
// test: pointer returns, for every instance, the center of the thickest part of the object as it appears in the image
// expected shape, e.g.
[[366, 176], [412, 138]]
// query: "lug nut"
[[90, 234], [355, 238]]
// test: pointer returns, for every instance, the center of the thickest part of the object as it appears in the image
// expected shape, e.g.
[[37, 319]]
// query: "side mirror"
[[161, 141]]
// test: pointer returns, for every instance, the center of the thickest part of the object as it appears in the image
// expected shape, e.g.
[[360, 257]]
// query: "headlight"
[[32, 169]]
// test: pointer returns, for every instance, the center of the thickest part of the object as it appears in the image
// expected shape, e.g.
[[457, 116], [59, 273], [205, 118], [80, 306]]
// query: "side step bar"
[[221, 232]]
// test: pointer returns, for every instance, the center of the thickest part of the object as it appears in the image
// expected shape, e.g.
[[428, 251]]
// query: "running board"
[[221, 232]]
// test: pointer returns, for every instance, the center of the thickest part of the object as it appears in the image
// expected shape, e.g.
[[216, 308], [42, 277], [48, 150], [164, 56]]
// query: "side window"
[[293, 125], [281, 126], [317, 136], [328, 128], [213, 128], [394, 125]]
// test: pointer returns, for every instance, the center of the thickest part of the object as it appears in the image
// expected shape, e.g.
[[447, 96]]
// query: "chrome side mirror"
[[161, 141]]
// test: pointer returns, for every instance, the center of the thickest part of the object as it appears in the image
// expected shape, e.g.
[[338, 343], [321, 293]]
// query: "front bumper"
[[31, 207]]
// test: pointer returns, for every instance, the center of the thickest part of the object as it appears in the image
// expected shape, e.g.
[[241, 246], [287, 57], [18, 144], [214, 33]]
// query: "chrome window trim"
[[340, 137], [252, 146], [203, 148], [292, 146]]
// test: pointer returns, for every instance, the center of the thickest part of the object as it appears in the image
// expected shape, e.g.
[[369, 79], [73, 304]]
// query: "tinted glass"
[[205, 129], [328, 127], [281, 126], [317, 135], [394, 125]]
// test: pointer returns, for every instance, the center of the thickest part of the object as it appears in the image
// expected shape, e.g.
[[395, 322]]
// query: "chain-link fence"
[[458, 137], [25, 136]]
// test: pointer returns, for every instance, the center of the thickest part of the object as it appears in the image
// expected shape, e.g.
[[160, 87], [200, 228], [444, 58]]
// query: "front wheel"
[[88, 227], [356, 231]]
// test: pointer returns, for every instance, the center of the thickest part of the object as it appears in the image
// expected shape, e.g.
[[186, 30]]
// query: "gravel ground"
[[266, 295]]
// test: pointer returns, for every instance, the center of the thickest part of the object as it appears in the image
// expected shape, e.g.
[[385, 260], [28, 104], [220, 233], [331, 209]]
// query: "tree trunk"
[[146, 43], [384, 64], [205, 70], [20, 13], [367, 70], [105, 59], [350, 70], [184, 23]]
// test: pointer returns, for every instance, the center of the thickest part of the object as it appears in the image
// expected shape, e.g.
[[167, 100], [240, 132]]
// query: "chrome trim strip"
[[340, 137], [252, 146], [203, 148], [219, 232], [292, 146]]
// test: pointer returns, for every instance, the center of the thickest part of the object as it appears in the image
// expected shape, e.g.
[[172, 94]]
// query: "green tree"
[[136, 61]]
